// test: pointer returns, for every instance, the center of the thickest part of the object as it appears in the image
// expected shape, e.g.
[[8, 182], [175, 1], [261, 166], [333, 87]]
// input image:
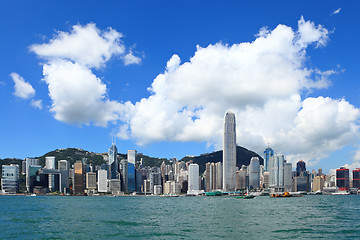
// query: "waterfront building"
[[157, 189], [193, 178], [115, 186], [300, 167], [342, 178], [318, 184], [30, 162], [356, 178], [31, 176], [131, 177], [208, 181], [266, 180], [124, 175], [288, 180], [213, 173], [147, 187], [254, 173], [219, 176], [63, 167], [229, 152], [167, 187], [102, 181], [91, 181], [268, 153], [302, 182], [50, 162], [131, 156], [276, 172], [78, 186], [155, 178], [113, 165], [10, 178], [240, 180]]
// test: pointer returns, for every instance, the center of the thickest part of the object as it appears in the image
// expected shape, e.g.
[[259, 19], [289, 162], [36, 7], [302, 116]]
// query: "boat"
[[170, 195], [285, 194], [215, 193], [33, 195], [246, 197]]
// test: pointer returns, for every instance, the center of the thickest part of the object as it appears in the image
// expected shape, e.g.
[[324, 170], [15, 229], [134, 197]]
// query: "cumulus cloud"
[[336, 11], [86, 45], [78, 95], [36, 104], [131, 59], [262, 82], [23, 89]]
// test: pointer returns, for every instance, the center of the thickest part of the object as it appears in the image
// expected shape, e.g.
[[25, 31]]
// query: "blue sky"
[[207, 38]]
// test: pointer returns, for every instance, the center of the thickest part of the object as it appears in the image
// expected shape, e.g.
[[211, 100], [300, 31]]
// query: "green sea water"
[[61, 217]]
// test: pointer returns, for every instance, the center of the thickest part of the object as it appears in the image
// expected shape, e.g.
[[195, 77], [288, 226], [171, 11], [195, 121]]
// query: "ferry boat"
[[215, 193]]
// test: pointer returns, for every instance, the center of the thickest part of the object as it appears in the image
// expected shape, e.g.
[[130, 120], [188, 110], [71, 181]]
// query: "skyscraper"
[[300, 167], [193, 178], [102, 181], [63, 167], [78, 187], [342, 178], [10, 178], [229, 152], [50, 162], [254, 173], [113, 163], [356, 178], [131, 156], [268, 153], [30, 162], [276, 172]]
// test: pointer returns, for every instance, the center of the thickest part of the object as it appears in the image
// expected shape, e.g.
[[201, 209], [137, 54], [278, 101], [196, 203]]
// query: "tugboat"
[[247, 195], [285, 194]]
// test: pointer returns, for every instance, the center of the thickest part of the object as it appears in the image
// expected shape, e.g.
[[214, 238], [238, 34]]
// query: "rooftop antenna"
[[112, 140]]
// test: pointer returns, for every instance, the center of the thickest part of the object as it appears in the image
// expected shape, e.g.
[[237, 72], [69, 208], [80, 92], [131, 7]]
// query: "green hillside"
[[243, 157]]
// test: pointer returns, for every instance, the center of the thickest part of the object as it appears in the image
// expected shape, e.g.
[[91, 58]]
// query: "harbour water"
[[98, 217]]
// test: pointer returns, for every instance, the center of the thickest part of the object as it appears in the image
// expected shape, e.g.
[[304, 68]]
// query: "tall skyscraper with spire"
[[229, 152], [113, 168], [268, 153]]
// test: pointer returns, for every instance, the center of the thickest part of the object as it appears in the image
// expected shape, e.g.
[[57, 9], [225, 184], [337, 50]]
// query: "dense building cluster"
[[130, 175]]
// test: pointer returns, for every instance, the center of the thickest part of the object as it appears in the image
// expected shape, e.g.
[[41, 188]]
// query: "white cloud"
[[308, 33], [131, 59], [36, 104], [336, 11], [262, 82], [23, 89], [78, 95], [86, 45]]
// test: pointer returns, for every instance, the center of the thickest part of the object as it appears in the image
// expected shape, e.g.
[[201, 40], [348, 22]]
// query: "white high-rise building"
[[193, 183], [254, 173], [229, 152], [131, 156], [50, 162], [276, 172], [102, 181]]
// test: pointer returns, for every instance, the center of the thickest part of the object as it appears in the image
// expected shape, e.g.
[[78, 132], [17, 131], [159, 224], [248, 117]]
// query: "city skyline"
[[161, 82]]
